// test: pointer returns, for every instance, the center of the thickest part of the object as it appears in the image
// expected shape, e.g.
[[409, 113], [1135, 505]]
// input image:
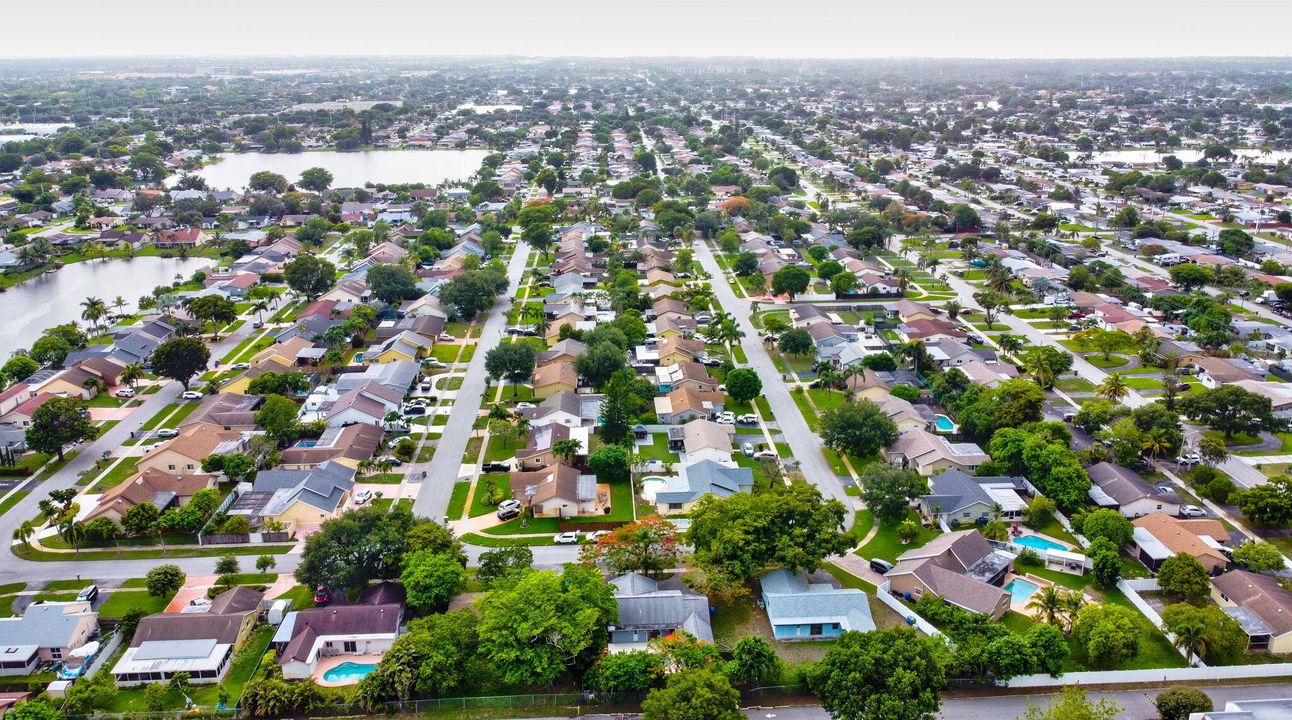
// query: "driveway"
[[805, 444]]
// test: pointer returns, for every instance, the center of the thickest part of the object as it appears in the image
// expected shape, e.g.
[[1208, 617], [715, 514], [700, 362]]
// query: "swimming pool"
[[1036, 542], [942, 423], [348, 672], [650, 485], [1020, 590]]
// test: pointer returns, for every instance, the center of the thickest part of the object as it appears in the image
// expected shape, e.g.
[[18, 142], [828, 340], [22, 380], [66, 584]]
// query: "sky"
[[617, 28]]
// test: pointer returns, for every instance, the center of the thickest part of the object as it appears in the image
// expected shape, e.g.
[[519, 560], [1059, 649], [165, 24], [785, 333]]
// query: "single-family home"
[[296, 498], [200, 641], [695, 480], [1122, 489], [1260, 605], [362, 632], [702, 440], [183, 454], [162, 489], [565, 408], [540, 450], [927, 453], [649, 609], [46, 632], [957, 497], [558, 376], [348, 446], [560, 491], [688, 374], [685, 404], [812, 607], [961, 567], [1158, 536]]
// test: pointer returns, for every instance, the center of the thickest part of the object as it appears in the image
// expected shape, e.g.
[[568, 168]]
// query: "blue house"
[[803, 607]]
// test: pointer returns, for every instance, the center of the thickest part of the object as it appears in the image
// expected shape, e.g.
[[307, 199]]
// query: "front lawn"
[[118, 474], [886, 546], [120, 601], [658, 450], [1111, 361]]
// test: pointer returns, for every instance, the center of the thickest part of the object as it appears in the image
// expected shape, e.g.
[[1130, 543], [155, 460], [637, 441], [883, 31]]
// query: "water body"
[[349, 169], [1140, 157], [55, 298]]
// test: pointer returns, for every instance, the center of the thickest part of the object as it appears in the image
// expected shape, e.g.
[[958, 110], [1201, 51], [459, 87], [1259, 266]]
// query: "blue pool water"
[[943, 423], [348, 672], [1036, 542], [1020, 590]]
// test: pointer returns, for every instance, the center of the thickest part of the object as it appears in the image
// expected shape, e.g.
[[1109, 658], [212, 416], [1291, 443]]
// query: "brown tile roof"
[[1260, 595], [1184, 537], [143, 487]]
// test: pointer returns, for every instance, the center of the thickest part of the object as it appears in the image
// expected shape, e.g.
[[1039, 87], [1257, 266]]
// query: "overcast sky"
[[613, 28]]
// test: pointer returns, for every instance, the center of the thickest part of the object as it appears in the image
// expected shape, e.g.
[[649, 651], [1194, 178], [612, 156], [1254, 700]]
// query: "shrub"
[[1178, 703]]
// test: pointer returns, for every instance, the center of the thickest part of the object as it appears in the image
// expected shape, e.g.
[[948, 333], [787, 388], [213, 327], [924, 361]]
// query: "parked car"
[[566, 538], [748, 449], [414, 410], [433, 363], [167, 432], [524, 406], [495, 467], [765, 454], [258, 324], [507, 513], [446, 337], [124, 393], [1069, 416], [88, 593], [1164, 489], [880, 566], [362, 496], [321, 596], [191, 395], [240, 366], [394, 461], [1189, 459], [725, 418], [1192, 511], [711, 361], [747, 419]]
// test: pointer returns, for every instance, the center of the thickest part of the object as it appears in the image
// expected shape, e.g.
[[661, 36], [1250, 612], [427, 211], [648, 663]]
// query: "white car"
[[748, 449], [124, 393], [191, 395], [168, 433], [762, 454], [1189, 459], [747, 419], [447, 337], [566, 538], [434, 363], [240, 366], [1192, 511], [593, 537], [725, 418], [524, 406], [363, 496]]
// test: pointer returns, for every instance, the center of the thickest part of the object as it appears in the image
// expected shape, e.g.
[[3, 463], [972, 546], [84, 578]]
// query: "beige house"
[[46, 632], [184, 454], [1260, 604], [556, 377], [560, 491], [927, 453], [962, 568]]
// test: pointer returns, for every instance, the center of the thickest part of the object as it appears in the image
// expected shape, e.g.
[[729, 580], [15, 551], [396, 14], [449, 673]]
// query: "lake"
[[1140, 157], [349, 169], [55, 298]]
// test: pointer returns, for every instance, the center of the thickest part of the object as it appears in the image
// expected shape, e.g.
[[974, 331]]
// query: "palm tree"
[[260, 307], [1073, 601], [1010, 343], [132, 373], [1189, 637], [24, 532], [1113, 388], [119, 302], [953, 309], [567, 449], [1048, 602], [92, 310], [903, 279]]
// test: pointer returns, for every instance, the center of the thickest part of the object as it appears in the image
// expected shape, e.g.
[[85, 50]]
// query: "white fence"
[[1131, 589], [896, 606], [1192, 674]]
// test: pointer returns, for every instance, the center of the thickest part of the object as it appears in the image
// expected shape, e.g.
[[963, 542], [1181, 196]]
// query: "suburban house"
[[407, 345], [688, 374], [961, 567], [296, 498], [558, 376], [958, 497], [564, 408], [1122, 489], [362, 632], [348, 446], [1260, 604], [927, 453], [560, 491], [1214, 372], [46, 632], [1158, 536], [225, 411], [686, 404], [812, 607], [200, 640], [540, 450], [655, 608], [903, 414], [567, 349], [702, 440], [368, 404], [162, 489], [184, 453], [695, 480]]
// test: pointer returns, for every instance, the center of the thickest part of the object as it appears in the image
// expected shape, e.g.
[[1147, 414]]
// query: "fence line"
[[896, 606], [1190, 674], [1130, 589]]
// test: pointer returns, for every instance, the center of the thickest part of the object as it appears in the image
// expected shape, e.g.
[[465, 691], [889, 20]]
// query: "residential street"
[[442, 471], [806, 444], [14, 569]]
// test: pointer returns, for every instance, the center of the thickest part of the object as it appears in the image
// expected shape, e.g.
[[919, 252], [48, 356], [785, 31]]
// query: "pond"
[[349, 169], [55, 298]]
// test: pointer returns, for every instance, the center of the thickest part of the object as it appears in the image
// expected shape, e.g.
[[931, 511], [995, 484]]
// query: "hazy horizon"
[[807, 29]]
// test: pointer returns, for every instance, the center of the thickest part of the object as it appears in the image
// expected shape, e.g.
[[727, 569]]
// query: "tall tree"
[[891, 674]]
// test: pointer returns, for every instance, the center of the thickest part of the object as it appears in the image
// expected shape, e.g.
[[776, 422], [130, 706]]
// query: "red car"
[[320, 597]]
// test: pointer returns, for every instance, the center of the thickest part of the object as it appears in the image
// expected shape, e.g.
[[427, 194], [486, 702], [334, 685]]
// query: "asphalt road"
[[13, 569], [805, 444], [442, 472]]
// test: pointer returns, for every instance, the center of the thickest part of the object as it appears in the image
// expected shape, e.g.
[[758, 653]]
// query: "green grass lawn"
[[125, 553], [458, 500], [885, 544], [390, 478], [503, 446], [118, 474], [1073, 384], [1237, 440], [1111, 362], [478, 505], [301, 597], [120, 601], [658, 450], [12, 500], [1141, 383]]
